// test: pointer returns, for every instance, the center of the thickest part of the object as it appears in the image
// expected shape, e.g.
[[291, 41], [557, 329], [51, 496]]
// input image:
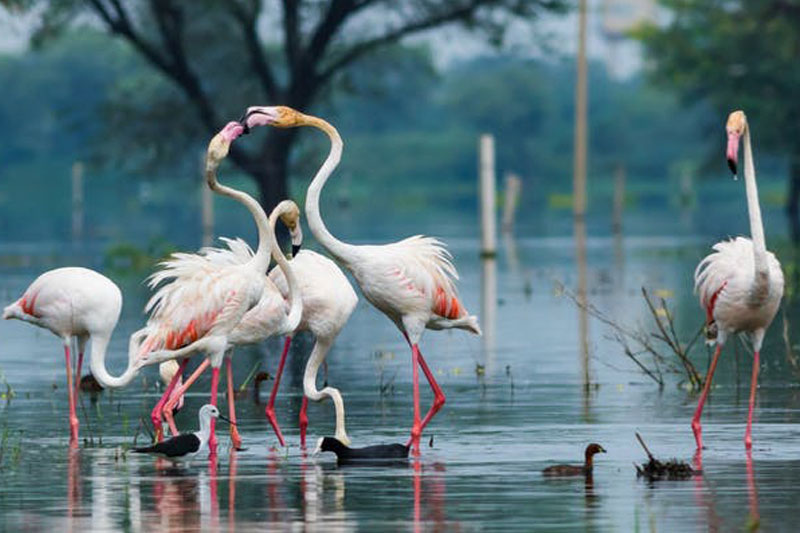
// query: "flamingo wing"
[[197, 294], [424, 266]]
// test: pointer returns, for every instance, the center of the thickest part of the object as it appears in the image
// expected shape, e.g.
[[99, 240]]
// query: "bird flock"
[[204, 304]]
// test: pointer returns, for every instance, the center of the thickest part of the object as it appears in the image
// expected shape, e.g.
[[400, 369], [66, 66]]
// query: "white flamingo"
[[410, 281], [740, 284], [81, 304], [328, 301], [200, 301]]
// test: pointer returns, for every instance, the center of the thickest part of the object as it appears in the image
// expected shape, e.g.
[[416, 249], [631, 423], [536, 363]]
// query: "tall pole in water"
[[579, 159], [488, 191], [77, 201], [579, 198]]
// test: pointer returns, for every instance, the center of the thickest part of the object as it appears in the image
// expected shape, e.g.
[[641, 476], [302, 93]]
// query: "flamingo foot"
[[270, 412], [303, 422], [235, 438], [697, 429], [73, 428], [159, 435]]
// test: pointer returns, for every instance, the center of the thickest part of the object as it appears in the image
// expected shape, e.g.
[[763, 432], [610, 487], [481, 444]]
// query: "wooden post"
[[77, 201], [513, 189], [579, 199], [579, 168], [487, 196], [206, 205], [619, 198]]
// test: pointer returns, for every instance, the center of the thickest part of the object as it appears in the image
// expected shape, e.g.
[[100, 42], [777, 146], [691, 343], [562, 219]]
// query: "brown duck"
[[576, 470]]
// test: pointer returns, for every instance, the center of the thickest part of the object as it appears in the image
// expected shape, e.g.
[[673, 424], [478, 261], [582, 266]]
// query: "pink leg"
[[169, 407], [748, 438], [78, 375], [235, 438], [212, 440], [155, 414], [696, 427], [439, 398], [270, 411], [303, 421], [416, 428], [73, 416]]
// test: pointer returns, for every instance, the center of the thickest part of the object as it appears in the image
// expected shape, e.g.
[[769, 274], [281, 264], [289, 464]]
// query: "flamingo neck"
[[266, 238], [97, 363], [295, 301], [756, 224], [342, 251], [318, 354]]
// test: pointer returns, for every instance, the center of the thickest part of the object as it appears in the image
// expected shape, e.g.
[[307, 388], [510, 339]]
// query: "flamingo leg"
[[78, 374], [748, 438], [303, 421], [270, 411], [235, 438], [696, 427], [173, 399], [439, 398], [155, 414], [73, 416], [416, 428], [212, 440]]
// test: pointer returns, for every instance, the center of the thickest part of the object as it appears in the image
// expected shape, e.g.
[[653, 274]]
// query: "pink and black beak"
[[732, 152], [257, 116]]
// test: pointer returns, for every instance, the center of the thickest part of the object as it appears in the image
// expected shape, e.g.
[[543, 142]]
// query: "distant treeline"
[[410, 134]]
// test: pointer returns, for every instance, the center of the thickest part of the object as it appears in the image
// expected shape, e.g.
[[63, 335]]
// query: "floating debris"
[[655, 470]]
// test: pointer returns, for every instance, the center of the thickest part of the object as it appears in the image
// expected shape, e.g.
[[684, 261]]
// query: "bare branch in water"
[[636, 343]]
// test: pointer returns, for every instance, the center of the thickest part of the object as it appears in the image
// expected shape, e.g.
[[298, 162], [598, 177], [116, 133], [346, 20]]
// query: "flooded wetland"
[[516, 403]]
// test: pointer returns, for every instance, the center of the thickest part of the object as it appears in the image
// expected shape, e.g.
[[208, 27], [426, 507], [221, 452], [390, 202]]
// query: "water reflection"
[[752, 493], [489, 309]]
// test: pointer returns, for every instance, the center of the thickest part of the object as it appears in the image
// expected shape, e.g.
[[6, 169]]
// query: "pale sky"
[[453, 44]]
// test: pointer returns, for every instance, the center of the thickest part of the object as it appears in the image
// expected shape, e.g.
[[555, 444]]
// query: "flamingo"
[[328, 301], [200, 301], [410, 281], [740, 284], [81, 304]]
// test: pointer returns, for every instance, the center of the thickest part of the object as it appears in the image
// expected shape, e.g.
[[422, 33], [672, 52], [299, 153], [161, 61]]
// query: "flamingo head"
[[737, 123], [277, 116], [221, 142], [291, 218]]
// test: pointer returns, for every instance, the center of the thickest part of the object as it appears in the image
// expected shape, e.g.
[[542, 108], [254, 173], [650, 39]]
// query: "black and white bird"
[[379, 454], [182, 448]]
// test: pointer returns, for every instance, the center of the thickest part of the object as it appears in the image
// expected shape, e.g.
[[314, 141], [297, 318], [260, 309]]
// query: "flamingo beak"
[[733, 151], [226, 419], [257, 116]]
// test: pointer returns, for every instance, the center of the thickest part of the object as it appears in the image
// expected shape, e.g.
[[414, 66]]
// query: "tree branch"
[[291, 29], [247, 21], [359, 49]]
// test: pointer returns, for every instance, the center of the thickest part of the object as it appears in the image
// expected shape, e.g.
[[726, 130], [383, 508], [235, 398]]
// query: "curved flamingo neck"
[[296, 302], [266, 238], [340, 250], [97, 363], [754, 210]]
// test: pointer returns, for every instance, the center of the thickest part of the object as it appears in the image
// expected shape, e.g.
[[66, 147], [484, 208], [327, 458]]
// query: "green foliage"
[[735, 55]]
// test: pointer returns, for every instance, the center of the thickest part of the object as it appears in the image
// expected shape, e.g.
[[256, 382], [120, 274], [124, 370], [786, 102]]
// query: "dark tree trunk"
[[793, 201]]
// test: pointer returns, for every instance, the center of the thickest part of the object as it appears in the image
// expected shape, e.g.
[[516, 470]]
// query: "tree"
[[737, 55], [212, 51]]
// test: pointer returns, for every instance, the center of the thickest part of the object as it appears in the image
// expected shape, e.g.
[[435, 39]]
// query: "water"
[[524, 408]]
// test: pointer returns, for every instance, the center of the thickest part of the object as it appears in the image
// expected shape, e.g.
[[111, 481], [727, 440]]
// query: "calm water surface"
[[482, 456]]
